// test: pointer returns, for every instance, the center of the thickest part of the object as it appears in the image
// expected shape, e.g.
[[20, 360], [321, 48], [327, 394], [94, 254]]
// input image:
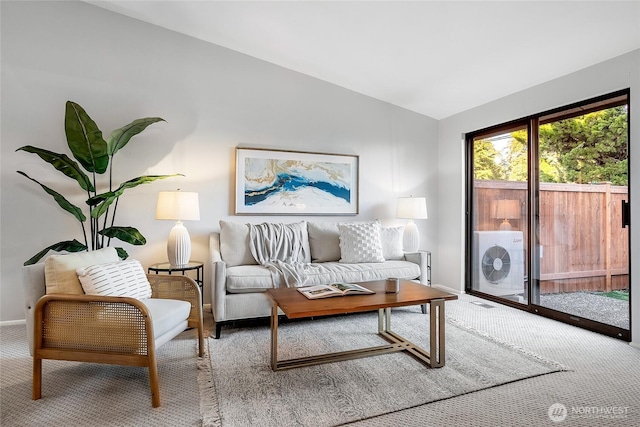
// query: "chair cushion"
[[119, 279], [166, 314], [60, 270]]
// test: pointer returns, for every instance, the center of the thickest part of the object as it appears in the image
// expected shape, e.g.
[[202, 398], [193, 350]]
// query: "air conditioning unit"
[[498, 262]]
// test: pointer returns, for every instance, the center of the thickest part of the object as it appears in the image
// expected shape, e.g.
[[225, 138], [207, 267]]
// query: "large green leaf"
[[105, 200], [126, 234], [62, 163], [59, 198], [68, 245], [120, 137], [85, 139]]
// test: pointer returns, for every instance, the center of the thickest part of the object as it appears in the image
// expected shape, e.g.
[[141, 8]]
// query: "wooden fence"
[[583, 243]]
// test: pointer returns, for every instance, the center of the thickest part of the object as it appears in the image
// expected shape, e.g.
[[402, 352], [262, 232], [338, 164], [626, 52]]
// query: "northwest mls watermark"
[[559, 412]]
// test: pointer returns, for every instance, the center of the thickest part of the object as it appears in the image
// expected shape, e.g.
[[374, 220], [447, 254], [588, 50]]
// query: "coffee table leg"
[[384, 320], [274, 336], [436, 328]]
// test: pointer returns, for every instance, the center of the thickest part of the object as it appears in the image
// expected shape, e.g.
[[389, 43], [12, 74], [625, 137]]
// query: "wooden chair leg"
[[153, 379], [200, 340], [36, 392]]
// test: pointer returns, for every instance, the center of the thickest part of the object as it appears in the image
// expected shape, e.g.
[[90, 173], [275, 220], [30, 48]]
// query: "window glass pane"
[[500, 194]]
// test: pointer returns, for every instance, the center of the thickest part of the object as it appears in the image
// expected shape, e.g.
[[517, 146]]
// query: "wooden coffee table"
[[295, 305]]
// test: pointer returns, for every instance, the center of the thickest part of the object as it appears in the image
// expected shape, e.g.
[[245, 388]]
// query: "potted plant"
[[95, 156]]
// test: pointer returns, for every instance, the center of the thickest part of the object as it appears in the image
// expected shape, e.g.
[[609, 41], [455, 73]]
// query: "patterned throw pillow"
[[120, 279], [360, 242]]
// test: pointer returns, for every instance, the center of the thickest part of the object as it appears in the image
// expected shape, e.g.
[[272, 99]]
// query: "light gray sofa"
[[238, 282]]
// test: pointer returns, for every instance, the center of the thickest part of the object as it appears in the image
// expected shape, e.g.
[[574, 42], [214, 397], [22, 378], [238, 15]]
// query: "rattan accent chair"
[[106, 329]]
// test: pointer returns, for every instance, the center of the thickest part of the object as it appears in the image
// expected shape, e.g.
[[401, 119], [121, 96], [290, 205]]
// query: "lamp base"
[[505, 226], [179, 245], [411, 237]]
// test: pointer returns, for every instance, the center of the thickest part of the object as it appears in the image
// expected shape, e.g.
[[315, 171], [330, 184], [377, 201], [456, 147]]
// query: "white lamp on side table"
[[178, 206], [411, 208]]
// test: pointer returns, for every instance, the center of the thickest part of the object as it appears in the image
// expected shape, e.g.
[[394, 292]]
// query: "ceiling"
[[433, 57]]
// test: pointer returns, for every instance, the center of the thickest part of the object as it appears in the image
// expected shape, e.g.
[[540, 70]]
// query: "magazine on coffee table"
[[333, 290]]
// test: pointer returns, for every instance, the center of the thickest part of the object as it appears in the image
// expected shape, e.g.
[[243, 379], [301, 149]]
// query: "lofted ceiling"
[[436, 58]]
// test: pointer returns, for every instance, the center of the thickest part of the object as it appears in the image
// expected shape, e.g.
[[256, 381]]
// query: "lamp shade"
[[505, 209], [412, 208], [178, 206]]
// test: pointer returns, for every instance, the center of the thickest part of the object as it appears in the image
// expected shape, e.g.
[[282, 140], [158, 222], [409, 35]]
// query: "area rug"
[[245, 391], [86, 394]]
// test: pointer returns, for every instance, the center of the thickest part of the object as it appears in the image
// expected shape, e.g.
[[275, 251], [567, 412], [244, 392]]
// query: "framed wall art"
[[279, 182]]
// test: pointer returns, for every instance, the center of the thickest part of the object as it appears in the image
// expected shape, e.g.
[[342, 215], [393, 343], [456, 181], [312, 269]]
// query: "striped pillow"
[[120, 279]]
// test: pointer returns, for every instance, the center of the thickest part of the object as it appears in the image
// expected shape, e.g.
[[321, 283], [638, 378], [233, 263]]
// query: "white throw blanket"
[[279, 248]]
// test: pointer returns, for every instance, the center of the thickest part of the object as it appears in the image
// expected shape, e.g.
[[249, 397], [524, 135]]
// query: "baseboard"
[[635, 344], [448, 289], [12, 322]]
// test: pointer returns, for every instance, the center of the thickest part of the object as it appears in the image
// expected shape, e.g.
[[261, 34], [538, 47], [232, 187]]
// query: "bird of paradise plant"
[[95, 155]]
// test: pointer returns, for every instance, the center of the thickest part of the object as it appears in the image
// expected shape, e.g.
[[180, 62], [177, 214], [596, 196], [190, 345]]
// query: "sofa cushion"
[[360, 242], [324, 241], [391, 240], [234, 244], [331, 272], [118, 279], [248, 278], [255, 278], [60, 269]]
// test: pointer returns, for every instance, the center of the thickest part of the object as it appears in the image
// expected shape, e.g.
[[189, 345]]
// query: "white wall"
[[618, 73], [213, 99]]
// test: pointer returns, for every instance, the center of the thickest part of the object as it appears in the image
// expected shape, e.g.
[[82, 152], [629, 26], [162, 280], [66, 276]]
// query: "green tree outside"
[[591, 148]]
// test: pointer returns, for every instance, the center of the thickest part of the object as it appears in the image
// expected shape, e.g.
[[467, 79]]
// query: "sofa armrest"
[[419, 258], [218, 278]]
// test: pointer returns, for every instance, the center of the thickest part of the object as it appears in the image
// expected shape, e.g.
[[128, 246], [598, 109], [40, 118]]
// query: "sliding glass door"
[[547, 229], [583, 235]]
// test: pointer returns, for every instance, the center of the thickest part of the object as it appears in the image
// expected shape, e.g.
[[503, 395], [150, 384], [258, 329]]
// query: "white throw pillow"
[[360, 242], [119, 279], [60, 269], [324, 241], [391, 239]]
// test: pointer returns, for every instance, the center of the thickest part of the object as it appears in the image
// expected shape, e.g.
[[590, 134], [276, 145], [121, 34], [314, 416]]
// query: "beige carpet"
[[249, 393], [86, 394]]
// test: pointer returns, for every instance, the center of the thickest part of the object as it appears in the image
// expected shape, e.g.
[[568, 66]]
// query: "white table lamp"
[[178, 206], [411, 208]]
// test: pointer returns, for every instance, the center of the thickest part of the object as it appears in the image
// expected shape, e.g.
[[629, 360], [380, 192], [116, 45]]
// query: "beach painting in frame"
[[279, 182]]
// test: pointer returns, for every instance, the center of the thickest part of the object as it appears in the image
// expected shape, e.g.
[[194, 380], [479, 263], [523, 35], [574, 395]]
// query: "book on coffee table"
[[333, 290]]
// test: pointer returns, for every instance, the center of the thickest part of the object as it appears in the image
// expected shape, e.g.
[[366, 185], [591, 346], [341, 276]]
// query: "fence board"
[[583, 243]]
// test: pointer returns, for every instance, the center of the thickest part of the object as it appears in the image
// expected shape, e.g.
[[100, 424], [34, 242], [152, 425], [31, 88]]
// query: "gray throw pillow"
[[324, 241], [234, 244]]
